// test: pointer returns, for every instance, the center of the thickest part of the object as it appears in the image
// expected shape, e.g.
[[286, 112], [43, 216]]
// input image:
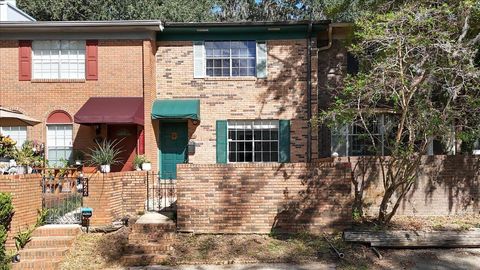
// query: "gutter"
[[153, 25]]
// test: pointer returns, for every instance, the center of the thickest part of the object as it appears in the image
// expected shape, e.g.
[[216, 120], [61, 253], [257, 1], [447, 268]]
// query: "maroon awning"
[[111, 110]]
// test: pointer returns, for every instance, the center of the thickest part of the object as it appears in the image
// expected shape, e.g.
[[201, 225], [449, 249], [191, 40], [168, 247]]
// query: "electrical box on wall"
[[191, 147]]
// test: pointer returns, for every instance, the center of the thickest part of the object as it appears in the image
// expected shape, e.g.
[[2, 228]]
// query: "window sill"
[[240, 78], [58, 80]]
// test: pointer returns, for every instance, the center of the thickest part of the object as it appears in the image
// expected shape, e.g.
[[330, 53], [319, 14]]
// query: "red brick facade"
[[124, 69]]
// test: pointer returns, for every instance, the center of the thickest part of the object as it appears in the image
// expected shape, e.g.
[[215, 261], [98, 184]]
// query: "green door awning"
[[176, 109]]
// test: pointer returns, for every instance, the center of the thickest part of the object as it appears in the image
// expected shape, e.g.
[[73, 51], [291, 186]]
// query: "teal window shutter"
[[198, 59], [221, 141], [284, 130], [261, 59]]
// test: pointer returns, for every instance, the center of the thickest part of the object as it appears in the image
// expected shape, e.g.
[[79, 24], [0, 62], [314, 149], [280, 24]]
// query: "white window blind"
[[253, 141], [58, 59], [16, 133], [59, 143]]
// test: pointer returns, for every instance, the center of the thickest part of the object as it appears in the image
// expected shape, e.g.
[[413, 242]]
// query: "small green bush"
[[6, 209], [6, 213], [23, 237]]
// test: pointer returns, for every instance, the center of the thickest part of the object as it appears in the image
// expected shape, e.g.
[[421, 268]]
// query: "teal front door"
[[173, 148]]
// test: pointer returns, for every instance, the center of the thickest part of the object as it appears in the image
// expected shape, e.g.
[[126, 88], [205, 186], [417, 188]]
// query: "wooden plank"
[[470, 238]]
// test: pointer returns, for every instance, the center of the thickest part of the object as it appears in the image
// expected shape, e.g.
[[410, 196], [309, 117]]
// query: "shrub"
[[6, 209], [6, 213]]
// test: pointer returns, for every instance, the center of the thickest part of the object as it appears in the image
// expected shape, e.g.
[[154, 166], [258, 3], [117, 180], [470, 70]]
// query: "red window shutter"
[[24, 60], [91, 63]]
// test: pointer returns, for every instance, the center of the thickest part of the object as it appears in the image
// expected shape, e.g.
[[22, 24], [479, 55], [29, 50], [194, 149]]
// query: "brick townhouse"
[[200, 93], [244, 90], [80, 80]]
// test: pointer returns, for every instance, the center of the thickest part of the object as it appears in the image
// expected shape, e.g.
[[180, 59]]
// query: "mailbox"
[[87, 213]]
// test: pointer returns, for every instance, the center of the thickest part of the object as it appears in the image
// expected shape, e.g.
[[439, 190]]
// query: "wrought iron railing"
[[161, 193], [62, 197]]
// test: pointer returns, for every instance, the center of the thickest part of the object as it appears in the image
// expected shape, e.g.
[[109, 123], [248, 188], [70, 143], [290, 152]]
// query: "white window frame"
[[254, 125], [346, 133], [230, 57], [17, 130], [68, 146], [51, 57]]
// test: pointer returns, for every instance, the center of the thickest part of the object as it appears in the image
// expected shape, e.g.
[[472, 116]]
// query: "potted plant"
[[138, 160], [105, 154], [24, 158], [146, 165]]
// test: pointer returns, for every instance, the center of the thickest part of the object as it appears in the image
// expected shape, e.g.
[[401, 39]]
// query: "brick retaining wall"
[[256, 198], [447, 185], [26, 193], [115, 195]]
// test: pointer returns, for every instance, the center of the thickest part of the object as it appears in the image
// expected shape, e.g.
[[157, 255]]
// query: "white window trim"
[[46, 141], [205, 58], [59, 77], [252, 122], [26, 134]]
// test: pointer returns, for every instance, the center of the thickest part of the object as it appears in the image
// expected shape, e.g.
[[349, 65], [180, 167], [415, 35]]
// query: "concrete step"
[[148, 248], [57, 230], [42, 253], [50, 242], [143, 259], [36, 265]]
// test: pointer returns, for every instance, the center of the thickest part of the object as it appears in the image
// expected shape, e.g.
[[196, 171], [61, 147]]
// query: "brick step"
[[42, 253], [50, 242], [153, 237], [36, 265], [153, 228], [148, 248], [143, 259], [57, 230]]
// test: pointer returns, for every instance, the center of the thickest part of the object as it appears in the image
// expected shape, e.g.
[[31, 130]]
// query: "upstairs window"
[[58, 59], [230, 58]]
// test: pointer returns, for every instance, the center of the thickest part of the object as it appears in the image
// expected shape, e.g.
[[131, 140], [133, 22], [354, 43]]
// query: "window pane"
[[57, 59], [233, 54], [247, 139]]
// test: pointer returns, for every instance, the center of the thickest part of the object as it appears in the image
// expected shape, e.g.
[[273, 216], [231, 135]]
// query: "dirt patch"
[[296, 248], [97, 251], [103, 251]]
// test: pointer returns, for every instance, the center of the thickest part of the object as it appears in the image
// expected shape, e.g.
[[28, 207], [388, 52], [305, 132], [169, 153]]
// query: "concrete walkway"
[[257, 266]]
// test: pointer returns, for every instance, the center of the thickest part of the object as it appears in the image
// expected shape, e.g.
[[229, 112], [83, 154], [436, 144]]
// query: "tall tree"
[[418, 71], [80, 10]]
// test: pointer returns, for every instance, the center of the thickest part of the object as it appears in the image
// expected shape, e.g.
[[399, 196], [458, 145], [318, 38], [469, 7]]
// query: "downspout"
[[309, 92], [324, 48]]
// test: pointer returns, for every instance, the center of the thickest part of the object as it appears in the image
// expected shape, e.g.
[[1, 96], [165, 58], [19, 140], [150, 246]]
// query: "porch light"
[[195, 122]]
